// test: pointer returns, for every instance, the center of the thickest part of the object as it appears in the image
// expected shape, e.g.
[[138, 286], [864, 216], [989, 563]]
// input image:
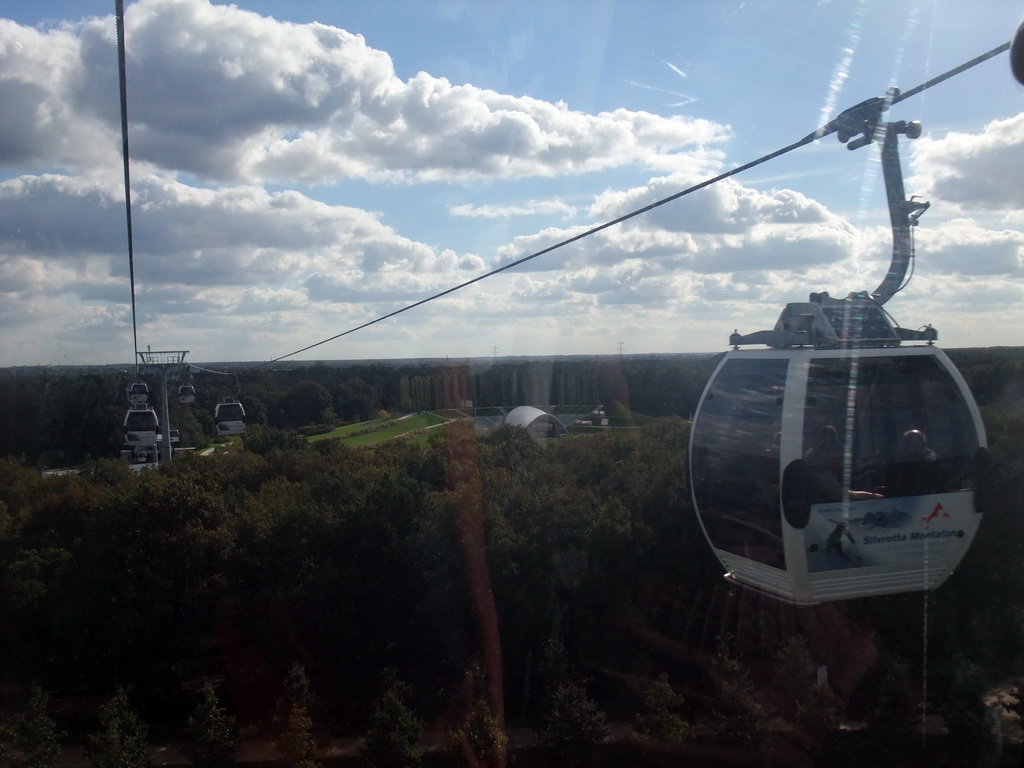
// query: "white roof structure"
[[539, 424]]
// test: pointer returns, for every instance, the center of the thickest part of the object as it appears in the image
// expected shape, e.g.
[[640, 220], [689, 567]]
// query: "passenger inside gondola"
[[915, 471], [824, 467], [914, 447], [827, 451]]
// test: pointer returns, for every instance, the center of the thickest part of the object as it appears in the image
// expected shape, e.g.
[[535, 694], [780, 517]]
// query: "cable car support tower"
[[166, 361]]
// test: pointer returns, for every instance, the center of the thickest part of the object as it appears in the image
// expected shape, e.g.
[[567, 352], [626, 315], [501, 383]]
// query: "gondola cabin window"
[[735, 453], [889, 426]]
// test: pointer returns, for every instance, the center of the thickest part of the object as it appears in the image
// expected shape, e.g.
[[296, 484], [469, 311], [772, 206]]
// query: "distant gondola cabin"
[[230, 418], [141, 426], [138, 392]]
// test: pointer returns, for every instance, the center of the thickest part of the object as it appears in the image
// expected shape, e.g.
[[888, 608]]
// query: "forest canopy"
[[361, 565]]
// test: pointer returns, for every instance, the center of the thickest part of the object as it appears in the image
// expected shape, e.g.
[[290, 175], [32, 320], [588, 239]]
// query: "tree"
[[392, 740], [306, 403], [971, 739], [210, 733], [812, 707], [661, 717], [738, 717], [263, 440], [795, 674], [296, 743], [122, 738], [573, 724], [819, 714], [480, 740], [892, 713], [356, 400], [33, 734]]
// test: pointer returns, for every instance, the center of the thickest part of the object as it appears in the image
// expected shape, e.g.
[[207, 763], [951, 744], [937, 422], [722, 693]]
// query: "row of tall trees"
[[74, 416]]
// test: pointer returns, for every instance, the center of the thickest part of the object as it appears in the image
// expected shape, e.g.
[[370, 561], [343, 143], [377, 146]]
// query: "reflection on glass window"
[[736, 459]]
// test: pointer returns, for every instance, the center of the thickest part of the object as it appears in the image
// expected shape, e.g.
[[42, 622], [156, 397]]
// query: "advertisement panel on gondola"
[[887, 531]]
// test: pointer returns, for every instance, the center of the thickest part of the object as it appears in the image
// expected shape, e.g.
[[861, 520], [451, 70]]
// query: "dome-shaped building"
[[540, 425]]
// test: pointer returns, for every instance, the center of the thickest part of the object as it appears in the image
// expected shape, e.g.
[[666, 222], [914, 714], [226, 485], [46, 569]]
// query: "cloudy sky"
[[301, 168]]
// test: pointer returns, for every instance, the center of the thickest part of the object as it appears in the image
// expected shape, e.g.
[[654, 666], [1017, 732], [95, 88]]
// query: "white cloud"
[[529, 208], [725, 207], [722, 229], [963, 247], [231, 96], [973, 171], [197, 249], [41, 121]]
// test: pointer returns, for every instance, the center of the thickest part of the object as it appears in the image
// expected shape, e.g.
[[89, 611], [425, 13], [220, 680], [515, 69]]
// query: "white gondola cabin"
[[229, 417], [840, 462], [186, 394], [141, 425], [138, 392], [821, 475]]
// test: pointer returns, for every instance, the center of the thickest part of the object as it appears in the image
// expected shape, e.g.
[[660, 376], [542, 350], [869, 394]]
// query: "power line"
[[195, 367], [825, 130]]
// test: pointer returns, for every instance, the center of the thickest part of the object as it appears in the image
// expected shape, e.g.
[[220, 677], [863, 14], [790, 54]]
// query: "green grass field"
[[416, 427], [349, 429], [380, 430]]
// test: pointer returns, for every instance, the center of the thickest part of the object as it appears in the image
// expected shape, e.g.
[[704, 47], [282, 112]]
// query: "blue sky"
[[300, 168]]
